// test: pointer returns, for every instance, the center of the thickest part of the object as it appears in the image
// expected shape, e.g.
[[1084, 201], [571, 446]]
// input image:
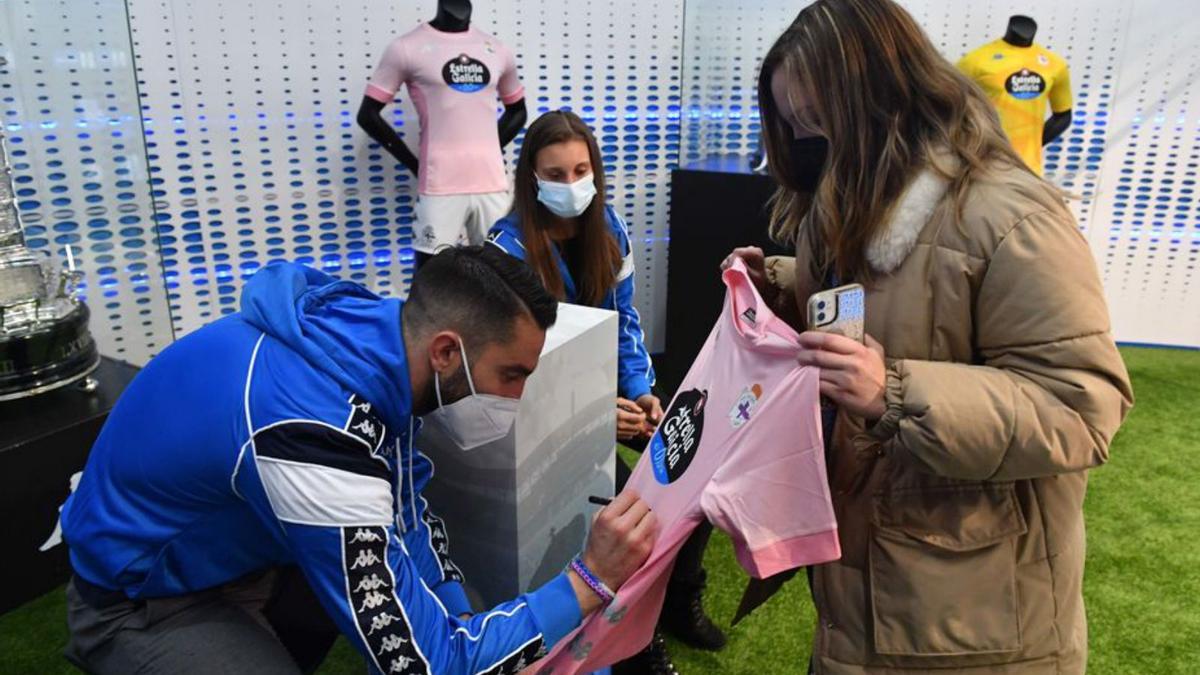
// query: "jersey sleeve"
[[391, 72], [330, 499], [1060, 92], [775, 505], [635, 370], [428, 544], [510, 88]]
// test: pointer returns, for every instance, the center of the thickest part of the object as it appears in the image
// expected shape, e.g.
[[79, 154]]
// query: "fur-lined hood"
[[917, 203]]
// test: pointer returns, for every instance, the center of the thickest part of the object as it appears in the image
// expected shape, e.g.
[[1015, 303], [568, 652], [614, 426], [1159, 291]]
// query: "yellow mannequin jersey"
[[1020, 81]]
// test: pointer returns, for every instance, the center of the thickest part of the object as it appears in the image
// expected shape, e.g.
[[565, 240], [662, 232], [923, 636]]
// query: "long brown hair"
[[890, 105], [594, 248]]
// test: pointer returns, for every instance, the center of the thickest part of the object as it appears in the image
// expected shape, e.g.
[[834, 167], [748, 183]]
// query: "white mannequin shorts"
[[457, 220]]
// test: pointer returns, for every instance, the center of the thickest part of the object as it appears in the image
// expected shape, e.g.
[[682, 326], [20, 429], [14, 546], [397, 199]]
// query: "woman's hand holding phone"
[[853, 374]]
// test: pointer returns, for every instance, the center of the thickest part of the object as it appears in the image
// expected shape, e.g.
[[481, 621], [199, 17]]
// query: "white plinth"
[[516, 510]]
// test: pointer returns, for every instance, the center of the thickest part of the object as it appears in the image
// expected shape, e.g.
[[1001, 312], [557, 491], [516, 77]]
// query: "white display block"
[[516, 510]]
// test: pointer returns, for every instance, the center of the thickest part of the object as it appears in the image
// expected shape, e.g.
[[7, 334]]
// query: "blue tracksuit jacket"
[[283, 434]]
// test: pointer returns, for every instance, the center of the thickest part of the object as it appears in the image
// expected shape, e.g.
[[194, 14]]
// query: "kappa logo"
[[365, 424], [365, 558], [440, 543], [362, 534], [743, 408], [675, 443], [367, 428], [515, 663], [391, 643], [371, 583], [400, 664], [1043, 59], [372, 600], [382, 621]]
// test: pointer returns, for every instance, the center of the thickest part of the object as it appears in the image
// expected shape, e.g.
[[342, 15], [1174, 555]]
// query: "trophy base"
[[48, 357]]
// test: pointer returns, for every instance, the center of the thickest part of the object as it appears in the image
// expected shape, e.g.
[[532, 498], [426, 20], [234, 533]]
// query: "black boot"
[[653, 660], [684, 617]]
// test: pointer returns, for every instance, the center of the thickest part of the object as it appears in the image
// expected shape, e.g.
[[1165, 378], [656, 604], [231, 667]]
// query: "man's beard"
[[454, 387]]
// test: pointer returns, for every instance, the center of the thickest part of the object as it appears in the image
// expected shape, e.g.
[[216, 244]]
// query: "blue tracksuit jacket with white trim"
[[635, 372], [283, 434]]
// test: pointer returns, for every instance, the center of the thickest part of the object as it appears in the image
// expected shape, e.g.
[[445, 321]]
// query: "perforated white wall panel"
[[1145, 225], [1130, 155], [256, 157], [69, 109]]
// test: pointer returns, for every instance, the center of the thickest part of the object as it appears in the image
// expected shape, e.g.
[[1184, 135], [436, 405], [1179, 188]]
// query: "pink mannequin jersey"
[[453, 79], [740, 445]]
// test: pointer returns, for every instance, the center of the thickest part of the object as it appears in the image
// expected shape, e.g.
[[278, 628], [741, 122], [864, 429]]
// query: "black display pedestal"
[[717, 205], [44, 440]]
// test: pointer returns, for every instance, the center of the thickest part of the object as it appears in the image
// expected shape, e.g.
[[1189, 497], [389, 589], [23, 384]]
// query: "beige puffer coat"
[[960, 512]]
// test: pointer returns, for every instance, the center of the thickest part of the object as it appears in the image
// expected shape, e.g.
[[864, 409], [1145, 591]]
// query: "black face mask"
[[808, 161]]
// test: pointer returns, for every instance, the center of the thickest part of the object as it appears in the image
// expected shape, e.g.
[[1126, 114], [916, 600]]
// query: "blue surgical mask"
[[567, 200]]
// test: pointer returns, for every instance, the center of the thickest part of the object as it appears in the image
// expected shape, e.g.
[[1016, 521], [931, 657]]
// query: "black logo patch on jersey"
[[365, 424], [466, 74], [674, 445], [750, 315], [1025, 84]]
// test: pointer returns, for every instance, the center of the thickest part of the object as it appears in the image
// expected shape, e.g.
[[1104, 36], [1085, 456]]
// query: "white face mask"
[[474, 420], [567, 200]]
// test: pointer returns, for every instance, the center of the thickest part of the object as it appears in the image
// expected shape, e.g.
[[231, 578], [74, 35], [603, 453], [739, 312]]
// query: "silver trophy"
[[44, 338]]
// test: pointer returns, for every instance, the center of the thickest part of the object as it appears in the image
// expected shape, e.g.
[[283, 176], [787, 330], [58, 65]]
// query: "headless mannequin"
[[1021, 30], [453, 16]]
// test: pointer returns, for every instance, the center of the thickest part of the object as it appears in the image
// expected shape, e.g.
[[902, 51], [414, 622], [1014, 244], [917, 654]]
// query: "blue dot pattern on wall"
[[254, 151], [618, 67], [1129, 161], [68, 106], [1152, 240], [251, 154], [256, 157]]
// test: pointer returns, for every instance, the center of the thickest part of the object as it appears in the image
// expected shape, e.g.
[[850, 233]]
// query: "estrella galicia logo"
[[465, 74], [1025, 84], [674, 446]]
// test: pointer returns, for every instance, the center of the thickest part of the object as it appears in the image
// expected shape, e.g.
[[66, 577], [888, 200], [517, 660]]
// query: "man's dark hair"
[[478, 291]]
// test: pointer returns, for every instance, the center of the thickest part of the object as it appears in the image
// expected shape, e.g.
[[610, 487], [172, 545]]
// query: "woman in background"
[[561, 226], [989, 383]]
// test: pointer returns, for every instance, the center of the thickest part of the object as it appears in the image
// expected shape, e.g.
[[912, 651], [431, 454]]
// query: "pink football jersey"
[[453, 79], [739, 445]]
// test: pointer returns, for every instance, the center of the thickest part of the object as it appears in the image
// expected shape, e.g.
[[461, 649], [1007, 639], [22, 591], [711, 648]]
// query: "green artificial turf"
[[1143, 567]]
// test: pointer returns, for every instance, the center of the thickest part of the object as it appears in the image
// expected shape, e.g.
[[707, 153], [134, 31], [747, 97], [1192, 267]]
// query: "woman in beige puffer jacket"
[[990, 382]]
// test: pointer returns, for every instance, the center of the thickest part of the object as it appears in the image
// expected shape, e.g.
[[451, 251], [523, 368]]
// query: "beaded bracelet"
[[598, 587]]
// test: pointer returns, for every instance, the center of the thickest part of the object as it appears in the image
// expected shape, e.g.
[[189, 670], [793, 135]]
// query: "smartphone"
[[840, 310]]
